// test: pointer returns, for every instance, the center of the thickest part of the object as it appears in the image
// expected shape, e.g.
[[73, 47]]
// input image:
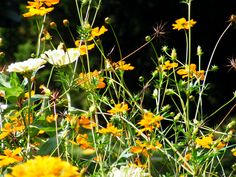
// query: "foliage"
[[111, 132]]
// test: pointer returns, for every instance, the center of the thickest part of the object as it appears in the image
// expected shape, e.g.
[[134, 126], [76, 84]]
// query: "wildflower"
[[82, 141], [119, 108], [233, 151], [168, 65], [10, 157], [123, 66], [98, 31], [182, 23], [125, 171], [29, 65], [145, 148], [27, 94], [91, 79], [191, 71], [205, 141], [150, 122], [111, 129], [40, 7], [85, 122], [83, 49], [10, 128], [60, 57], [220, 145], [51, 118], [44, 166]]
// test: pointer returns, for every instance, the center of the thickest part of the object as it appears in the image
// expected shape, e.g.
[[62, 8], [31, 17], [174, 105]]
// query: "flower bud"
[[53, 25], [66, 23], [107, 20], [155, 93], [169, 92], [147, 38], [231, 125], [173, 54], [199, 51], [164, 48]]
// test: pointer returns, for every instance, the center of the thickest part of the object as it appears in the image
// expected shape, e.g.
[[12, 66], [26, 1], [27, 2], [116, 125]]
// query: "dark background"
[[135, 19]]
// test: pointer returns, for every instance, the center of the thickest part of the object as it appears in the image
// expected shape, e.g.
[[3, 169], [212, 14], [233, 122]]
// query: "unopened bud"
[[107, 20], [66, 23], [53, 25], [199, 51], [147, 38], [173, 54]]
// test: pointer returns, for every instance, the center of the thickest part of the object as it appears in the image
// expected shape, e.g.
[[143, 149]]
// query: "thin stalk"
[[207, 70]]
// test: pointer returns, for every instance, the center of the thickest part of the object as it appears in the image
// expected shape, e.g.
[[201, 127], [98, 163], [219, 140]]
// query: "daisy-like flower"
[[51, 118], [149, 122], [61, 57], [191, 71], [111, 129], [123, 66], [145, 148], [205, 141], [182, 23], [10, 157], [91, 80], [44, 166], [233, 151], [125, 171], [98, 31], [168, 65], [40, 7], [85, 122], [119, 108], [29, 65], [11, 128], [82, 141]]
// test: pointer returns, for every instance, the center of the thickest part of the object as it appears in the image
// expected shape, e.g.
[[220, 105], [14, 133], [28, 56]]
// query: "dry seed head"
[[232, 19], [232, 63]]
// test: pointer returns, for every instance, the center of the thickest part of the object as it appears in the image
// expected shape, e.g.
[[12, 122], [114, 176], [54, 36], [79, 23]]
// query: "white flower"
[[127, 171], [61, 57], [32, 64]]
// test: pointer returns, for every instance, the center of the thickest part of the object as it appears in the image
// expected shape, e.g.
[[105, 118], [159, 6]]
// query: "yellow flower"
[[40, 7], [98, 31], [51, 118], [11, 128], [145, 148], [220, 145], [111, 129], [205, 141], [84, 49], [85, 122], [91, 79], [168, 65], [233, 151], [149, 122], [27, 94], [44, 166], [119, 108], [10, 157], [82, 141], [192, 72], [182, 23], [123, 66]]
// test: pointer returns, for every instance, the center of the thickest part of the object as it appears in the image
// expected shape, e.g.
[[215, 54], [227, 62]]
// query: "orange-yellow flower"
[[10, 157], [51, 118], [119, 108], [91, 79], [149, 122], [98, 31], [11, 128], [205, 141], [123, 66], [82, 141], [145, 148], [191, 71], [40, 7], [182, 23], [111, 129], [44, 166], [168, 65], [85, 122]]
